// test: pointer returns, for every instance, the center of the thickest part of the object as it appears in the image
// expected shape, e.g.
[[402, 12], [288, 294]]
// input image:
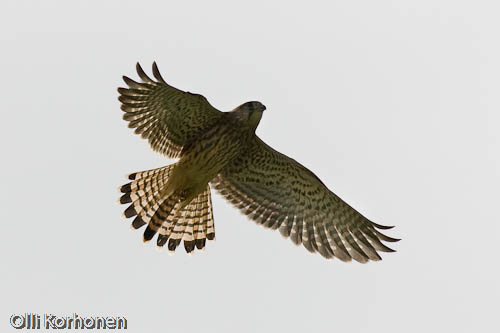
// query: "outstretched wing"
[[278, 192], [168, 117]]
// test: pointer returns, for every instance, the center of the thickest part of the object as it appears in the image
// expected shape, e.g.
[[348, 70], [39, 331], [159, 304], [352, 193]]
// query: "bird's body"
[[208, 154], [221, 149]]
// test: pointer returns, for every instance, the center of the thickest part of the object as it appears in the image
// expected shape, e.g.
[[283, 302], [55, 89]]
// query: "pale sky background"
[[393, 104]]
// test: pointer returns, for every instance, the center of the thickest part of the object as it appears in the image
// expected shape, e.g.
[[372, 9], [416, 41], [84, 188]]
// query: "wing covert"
[[167, 117], [279, 193]]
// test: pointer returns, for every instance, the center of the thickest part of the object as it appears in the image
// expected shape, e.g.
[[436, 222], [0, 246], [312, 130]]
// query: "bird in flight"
[[220, 150]]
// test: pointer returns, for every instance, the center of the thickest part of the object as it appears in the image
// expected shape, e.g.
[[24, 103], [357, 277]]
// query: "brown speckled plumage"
[[221, 149]]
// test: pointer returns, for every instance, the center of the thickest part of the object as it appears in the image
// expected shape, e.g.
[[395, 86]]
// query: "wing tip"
[[383, 227], [386, 238], [142, 74], [131, 83], [156, 73]]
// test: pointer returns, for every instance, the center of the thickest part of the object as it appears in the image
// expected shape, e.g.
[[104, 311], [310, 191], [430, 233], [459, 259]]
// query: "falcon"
[[220, 150]]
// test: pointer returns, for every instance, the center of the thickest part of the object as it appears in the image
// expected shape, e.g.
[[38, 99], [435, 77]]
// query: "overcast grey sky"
[[393, 104]]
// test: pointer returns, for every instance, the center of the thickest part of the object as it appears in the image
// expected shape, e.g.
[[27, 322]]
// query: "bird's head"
[[250, 113]]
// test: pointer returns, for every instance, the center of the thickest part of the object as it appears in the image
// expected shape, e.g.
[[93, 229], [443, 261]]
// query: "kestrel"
[[221, 150]]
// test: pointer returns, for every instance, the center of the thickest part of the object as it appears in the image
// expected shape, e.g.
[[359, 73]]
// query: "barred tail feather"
[[164, 215], [193, 224]]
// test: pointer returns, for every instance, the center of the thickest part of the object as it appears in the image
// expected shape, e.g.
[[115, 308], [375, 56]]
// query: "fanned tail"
[[164, 215]]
